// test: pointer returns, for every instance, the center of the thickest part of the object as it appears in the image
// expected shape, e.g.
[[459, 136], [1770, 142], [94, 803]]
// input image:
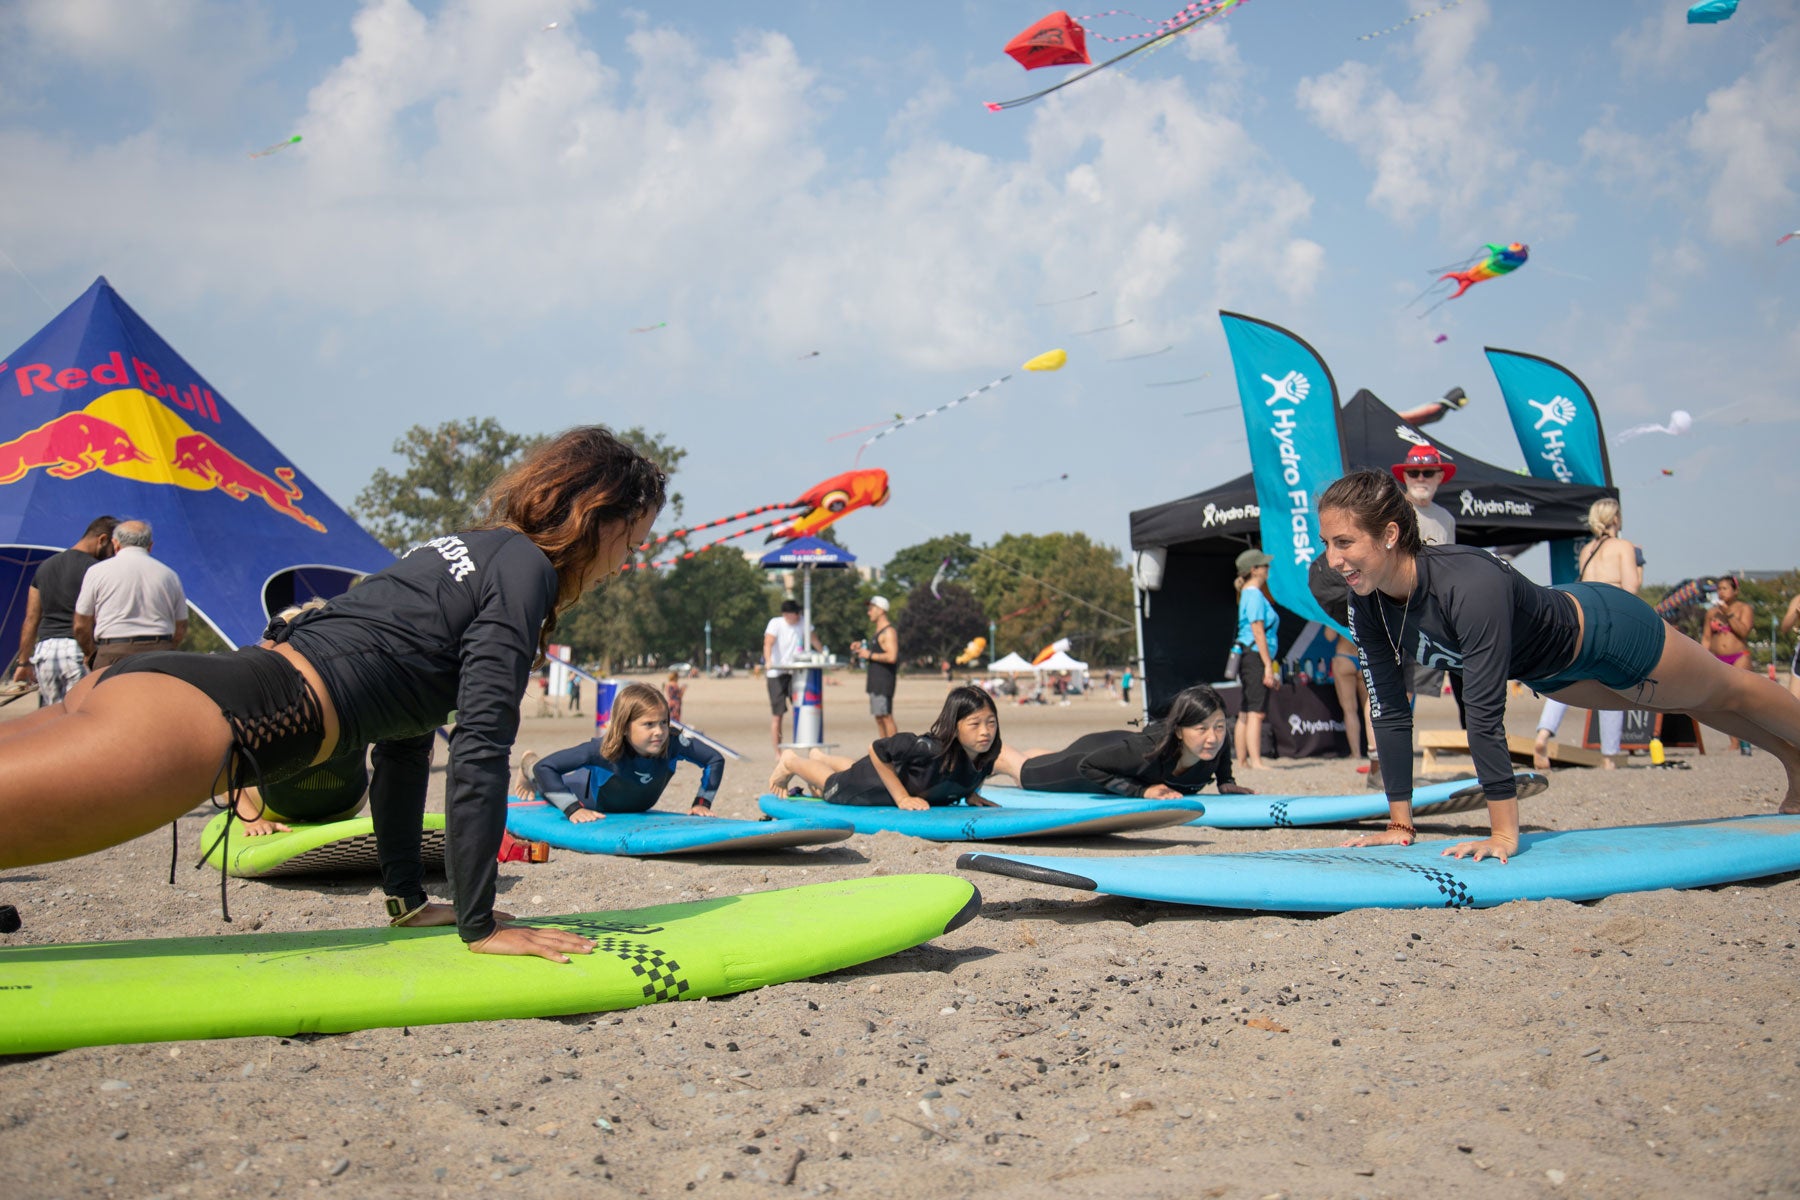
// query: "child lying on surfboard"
[[1176, 756], [913, 771], [626, 769]]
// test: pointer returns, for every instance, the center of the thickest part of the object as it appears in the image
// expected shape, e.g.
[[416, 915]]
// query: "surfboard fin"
[[993, 864]]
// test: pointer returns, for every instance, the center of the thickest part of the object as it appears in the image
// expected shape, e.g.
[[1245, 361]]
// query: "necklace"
[[1405, 605]]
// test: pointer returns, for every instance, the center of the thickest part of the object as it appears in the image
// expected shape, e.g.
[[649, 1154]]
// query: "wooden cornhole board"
[[1455, 741]]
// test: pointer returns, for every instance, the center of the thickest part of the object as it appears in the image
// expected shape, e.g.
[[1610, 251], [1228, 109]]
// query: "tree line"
[[1026, 590]]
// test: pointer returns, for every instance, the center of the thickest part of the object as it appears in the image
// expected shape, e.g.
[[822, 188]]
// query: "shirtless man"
[[1727, 632], [1608, 558]]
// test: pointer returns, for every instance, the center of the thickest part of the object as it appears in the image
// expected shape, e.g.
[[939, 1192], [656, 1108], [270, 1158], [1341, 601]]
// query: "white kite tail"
[[898, 425]]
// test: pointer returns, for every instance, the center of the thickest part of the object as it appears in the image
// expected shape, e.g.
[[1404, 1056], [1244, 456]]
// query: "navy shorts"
[[1250, 674], [1621, 640]]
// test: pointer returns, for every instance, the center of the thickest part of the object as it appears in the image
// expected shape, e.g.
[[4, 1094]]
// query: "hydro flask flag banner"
[[1291, 420], [1559, 431]]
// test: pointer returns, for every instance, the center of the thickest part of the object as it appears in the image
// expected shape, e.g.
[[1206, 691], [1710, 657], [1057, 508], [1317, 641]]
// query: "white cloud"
[[1748, 139]]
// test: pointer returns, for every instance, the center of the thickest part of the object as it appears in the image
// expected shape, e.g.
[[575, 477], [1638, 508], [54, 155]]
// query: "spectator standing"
[[1788, 620], [1608, 558], [129, 604], [49, 655], [1727, 633], [1257, 622], [883, 659], [1420, 476], [673, 691], [782, 645]]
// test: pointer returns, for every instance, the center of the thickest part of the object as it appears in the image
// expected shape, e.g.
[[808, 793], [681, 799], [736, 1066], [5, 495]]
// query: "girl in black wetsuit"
[[455, 625], [945, 766], [1176, 756], [1590, 645], [627, 769]]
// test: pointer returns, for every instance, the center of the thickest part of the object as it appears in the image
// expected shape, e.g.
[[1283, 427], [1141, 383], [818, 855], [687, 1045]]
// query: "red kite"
[[1055, 41]]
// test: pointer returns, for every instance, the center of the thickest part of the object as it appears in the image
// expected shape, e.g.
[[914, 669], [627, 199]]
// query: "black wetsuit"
[[915, 758], [581, 776], [1472, 613], [1119, 762], [329, 790], [453, 626]]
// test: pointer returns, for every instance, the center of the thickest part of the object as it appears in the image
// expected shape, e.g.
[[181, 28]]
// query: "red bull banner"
[[99, 415]]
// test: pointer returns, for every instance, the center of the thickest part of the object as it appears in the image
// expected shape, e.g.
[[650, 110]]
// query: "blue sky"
[[482, 208]]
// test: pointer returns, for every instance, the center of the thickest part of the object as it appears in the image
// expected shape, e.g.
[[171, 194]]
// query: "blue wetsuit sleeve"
[[496, 650], [1388, 710], [710, 762], [1481, 618], [549, 771]]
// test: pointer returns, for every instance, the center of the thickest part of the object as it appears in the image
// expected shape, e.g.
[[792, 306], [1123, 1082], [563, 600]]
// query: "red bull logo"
[[126, 433], [33, 378]]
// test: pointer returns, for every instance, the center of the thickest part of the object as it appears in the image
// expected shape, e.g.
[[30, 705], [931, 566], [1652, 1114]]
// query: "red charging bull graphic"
[[199, 455], [67, 447]]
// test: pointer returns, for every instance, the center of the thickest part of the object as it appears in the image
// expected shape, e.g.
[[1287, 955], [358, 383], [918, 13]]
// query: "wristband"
[[401, 909], [702, 802]]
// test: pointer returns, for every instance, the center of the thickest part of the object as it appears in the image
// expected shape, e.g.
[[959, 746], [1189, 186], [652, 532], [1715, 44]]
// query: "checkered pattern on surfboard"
[[350, 856]]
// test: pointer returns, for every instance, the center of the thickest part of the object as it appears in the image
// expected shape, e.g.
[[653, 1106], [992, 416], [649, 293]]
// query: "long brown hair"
[[567, 495], [1373, 499], [633, 701]]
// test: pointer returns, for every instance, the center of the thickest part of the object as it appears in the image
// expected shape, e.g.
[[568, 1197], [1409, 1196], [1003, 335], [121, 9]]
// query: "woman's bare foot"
[[1608, 762], [434, 914], [524, 786], [1540, 753]]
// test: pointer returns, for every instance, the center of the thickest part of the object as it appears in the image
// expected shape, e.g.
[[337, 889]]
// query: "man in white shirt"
[[130, 603], [782, 645], [1420, 476]]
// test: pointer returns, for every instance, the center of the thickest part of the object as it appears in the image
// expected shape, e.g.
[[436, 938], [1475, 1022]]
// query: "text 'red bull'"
[[68, 446], [42, 377], [199, 455]]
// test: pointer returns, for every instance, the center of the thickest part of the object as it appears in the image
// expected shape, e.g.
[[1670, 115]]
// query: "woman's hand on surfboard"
[[582, 816], [553, 944], [912, 804], [1491, 847]]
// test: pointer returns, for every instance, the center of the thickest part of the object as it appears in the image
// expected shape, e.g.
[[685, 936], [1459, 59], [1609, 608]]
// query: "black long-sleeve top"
[[453, 626], [1468, 612], [1129, 767]]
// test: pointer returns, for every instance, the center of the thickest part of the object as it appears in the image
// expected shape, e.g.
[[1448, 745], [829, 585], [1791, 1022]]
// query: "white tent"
[[1060, 661], [1011, 664]]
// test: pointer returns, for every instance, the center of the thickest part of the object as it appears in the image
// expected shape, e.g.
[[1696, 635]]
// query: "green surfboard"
[[341, 847], [276, 984]]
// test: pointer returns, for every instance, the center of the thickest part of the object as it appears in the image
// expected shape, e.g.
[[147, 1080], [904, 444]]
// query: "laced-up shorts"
[[276, 723]]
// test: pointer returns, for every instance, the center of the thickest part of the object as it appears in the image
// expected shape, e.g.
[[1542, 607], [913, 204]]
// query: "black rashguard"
[[631, 785], [916, 759], [1472, 613], [1120, 762], [452, 626]]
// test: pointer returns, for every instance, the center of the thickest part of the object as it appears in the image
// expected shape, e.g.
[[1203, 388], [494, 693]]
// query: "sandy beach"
[[1060, 1044]]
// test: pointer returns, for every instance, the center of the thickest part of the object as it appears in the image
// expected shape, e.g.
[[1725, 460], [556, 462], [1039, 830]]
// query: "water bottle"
[[1656, 752]]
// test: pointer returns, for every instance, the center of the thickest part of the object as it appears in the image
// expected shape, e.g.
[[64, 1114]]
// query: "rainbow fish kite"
[[1490, 262]]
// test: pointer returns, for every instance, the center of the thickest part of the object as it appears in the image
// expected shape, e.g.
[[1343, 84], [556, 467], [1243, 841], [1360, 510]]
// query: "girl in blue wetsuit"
[[1591, 645], [626, 769]]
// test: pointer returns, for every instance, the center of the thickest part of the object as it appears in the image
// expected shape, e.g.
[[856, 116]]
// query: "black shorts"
[[277, 725], [781, 688], [1250, 674]]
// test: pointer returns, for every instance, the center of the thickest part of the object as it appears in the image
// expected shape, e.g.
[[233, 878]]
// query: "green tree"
[[919, 564], [1039, 588], [449, 467], [718, 585], [934, 628], [618, 623], [840, 603]]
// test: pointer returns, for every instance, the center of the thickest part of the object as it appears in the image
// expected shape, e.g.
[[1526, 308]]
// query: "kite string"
[[1418, 16], [1023, 574], [898, 425], [26, 278]]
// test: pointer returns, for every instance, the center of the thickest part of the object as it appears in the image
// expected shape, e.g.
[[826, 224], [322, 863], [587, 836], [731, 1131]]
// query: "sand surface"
[[1059, 1045]]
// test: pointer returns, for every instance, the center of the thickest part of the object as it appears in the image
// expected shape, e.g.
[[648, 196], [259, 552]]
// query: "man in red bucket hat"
[[1420, 475]]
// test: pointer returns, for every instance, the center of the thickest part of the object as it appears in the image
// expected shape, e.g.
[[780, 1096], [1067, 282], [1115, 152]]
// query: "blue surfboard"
[[644, 835], [961, 823], [1282, 812], [1578, 864]]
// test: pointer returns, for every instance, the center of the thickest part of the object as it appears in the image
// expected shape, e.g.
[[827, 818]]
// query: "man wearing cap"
[[782, 646], [1420, 476], [883, 658]]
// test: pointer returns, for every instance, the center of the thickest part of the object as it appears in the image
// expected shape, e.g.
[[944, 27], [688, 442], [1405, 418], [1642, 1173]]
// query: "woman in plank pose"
[[944, 766], [1592, 645], [455, 625]]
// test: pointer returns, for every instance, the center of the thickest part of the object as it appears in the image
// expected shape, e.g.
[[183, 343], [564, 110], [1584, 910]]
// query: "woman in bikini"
[[1592, 645], [1727, 633], [455, 625], [1608, 558]]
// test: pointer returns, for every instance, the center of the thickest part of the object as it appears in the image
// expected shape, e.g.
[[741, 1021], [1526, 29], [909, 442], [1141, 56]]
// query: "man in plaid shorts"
[[48, 651]]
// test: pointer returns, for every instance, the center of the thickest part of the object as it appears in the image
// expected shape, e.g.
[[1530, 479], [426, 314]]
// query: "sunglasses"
[[1433, 473]]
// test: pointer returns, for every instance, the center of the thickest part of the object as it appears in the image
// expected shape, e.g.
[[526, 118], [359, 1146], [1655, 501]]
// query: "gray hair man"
[[131, 603]]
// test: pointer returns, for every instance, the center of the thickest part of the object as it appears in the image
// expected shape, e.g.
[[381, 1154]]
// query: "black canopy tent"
[[1188, 621]]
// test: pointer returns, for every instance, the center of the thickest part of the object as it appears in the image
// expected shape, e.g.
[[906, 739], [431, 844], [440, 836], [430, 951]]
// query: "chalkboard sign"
[[1675, 729]]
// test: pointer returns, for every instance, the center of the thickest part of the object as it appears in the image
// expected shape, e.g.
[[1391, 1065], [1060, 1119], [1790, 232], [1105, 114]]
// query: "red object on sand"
[[1054, 41]]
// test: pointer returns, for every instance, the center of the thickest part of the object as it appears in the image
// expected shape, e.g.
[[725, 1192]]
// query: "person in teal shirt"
[[1255, 648]]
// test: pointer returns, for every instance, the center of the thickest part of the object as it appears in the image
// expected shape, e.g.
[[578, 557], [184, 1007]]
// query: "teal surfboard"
[[651, 833], [960, 823], [1579, 864], [1285, 811], [341, 847], [277, 984]]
